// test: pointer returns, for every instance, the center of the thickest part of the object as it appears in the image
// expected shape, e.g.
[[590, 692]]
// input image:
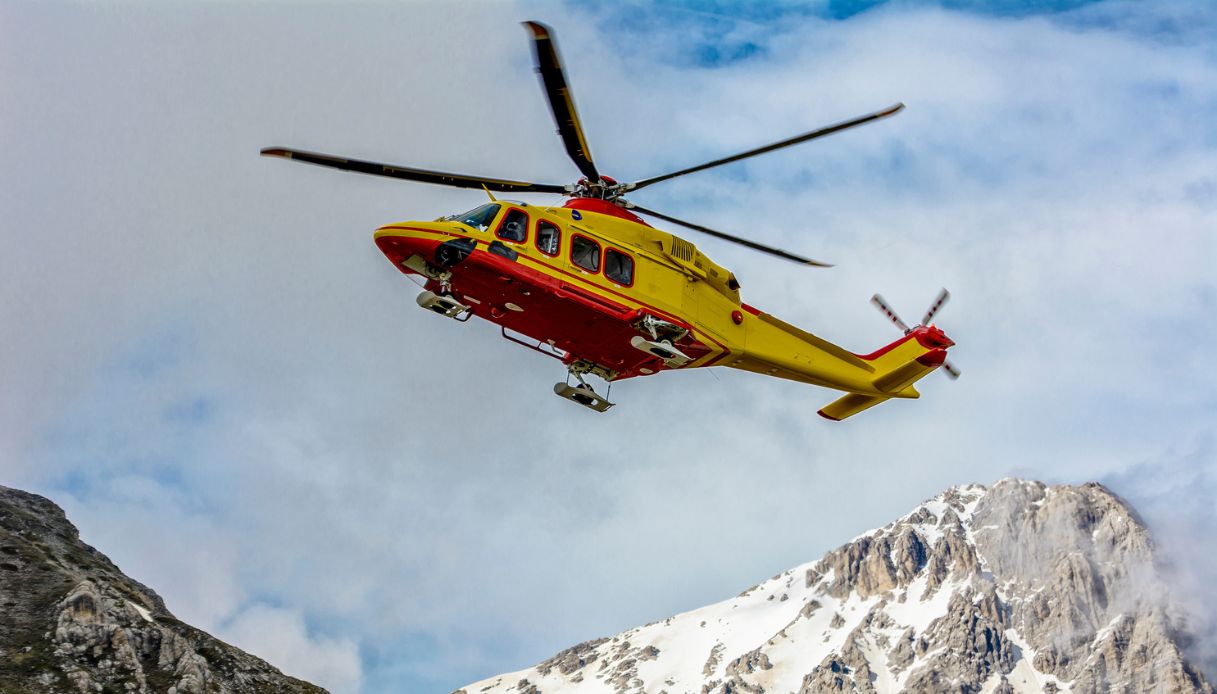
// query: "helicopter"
[[593, 285]]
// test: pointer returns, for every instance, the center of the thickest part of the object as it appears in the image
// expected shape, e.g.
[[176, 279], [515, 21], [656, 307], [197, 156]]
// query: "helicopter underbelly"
[[560, 309]]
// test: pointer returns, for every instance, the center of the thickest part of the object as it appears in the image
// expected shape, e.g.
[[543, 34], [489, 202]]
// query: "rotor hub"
[[605, 188]]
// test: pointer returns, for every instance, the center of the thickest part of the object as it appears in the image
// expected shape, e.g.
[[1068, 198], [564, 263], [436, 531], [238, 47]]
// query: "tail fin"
[[897, 367]]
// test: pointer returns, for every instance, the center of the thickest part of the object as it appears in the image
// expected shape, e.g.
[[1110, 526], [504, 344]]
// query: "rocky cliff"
[[70, 621], [1019, 587]]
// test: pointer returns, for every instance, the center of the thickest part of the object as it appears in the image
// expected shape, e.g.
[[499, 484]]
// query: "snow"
[[917, 614], [1024, 677], [794, 643], [143, 611]]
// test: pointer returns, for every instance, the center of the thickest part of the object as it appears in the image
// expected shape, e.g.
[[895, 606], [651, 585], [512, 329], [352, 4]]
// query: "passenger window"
[[514, 226], [548, 237], [585, 253], [618, 267]]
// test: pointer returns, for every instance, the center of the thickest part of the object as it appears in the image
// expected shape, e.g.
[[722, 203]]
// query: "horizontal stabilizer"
[[849, 406]]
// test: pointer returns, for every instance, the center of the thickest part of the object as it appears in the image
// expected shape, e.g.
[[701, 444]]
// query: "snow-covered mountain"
[[1018, 587]]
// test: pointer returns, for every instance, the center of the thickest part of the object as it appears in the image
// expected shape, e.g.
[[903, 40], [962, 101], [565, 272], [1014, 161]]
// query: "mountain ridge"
[[74, 622], [1016, 587]]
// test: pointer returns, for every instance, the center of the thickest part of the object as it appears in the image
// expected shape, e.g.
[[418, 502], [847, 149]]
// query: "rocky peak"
[[1017, 587], [73, 622]]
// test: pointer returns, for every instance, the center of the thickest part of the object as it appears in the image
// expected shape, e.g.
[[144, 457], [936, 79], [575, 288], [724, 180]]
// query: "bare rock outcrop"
[[73, 623]]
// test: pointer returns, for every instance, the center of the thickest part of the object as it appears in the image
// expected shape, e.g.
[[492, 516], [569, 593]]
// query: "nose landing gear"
[[444, 305]]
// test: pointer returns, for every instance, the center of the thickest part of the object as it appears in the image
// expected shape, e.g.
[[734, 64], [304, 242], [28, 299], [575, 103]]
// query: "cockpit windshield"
[[478, 218]]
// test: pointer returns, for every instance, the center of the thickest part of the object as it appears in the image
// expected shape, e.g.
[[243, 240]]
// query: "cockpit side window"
[[549, 236], [514, 226], [479, 218], [618, 267], [585, 253]]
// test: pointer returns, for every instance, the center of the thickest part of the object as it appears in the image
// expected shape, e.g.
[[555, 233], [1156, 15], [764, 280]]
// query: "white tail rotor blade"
[[934, 307], [950, 370], [887, 311]]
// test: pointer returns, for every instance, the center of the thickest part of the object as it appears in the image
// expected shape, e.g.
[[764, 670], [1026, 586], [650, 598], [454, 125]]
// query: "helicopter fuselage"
[[587, 281]]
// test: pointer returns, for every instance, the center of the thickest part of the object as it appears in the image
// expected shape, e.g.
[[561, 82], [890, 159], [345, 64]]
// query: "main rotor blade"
[[728, 237], [776, 145], [887, 310], [411, 174], [561, 101], [934, 307]]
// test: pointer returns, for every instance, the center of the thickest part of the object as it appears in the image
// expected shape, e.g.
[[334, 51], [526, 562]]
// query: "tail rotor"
[[948, 368]]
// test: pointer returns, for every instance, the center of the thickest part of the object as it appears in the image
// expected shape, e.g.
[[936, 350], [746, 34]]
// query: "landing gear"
[[663, 334], [582, 393], [673, 358], [444, 305]]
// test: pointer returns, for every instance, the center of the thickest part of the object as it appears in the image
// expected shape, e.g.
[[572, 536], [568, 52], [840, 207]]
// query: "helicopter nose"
[[399, 243]]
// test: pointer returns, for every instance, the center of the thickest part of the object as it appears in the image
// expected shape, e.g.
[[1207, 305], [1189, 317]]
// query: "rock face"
[[71, 622], [1019, 587]]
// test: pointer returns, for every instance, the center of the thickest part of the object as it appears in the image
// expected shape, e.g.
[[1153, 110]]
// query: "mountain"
[[70, 621], [1018, 587]]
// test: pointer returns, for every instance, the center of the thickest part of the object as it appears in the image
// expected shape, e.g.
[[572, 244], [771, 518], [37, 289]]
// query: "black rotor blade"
[[776, 145], [887, 311], [561, 101], [411, 174], [728, 237], [934, 307]]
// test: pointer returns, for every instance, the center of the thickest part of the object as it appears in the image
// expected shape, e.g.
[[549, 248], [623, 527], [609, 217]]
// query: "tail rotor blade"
[[887, 311], [950, 370], [936, 306]]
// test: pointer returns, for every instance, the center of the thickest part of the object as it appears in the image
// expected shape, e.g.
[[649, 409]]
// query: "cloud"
[[1174, 493], [212, 362], [281, 637]]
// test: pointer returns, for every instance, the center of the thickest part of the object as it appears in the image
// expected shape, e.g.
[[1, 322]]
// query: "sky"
[[208, 364]]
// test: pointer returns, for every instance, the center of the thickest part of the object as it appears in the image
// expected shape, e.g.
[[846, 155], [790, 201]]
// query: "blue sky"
[[209, 365]]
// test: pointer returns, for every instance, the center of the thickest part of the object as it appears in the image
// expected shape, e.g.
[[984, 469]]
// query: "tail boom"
[[897, 367], [776, 348]]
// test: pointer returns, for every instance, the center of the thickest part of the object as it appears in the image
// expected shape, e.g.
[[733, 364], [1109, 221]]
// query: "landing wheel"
[[444, 305], [583, 395]]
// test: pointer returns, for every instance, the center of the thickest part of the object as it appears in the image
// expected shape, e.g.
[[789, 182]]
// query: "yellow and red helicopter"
[[592, 284]]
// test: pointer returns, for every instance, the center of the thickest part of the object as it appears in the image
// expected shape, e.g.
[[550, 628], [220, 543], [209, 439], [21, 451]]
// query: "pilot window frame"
[[557, 241], [574, 241], [628, 257], [498, 231]]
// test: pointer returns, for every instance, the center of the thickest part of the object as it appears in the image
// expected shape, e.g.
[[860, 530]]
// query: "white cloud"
[[281, 637]]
